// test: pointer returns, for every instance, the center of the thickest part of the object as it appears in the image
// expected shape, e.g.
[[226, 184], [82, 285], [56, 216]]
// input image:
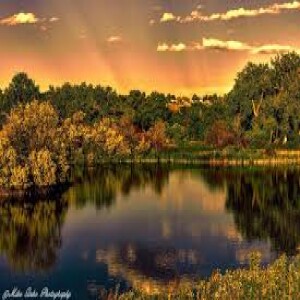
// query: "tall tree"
[[251, 88], [21, 90]]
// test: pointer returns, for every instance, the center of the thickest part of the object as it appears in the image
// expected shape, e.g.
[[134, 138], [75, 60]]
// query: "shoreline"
[[225, 157], [210, 162], [290, 160]]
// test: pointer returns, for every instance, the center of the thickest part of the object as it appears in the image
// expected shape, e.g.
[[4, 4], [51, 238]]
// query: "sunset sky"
[[176, 46]]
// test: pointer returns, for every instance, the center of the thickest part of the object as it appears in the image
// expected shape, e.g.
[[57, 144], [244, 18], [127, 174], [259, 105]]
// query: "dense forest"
[[44, 133]]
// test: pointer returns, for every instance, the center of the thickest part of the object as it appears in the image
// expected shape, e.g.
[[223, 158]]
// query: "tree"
[[157, 136], [107, 140], [265, 101], [251, 88], [21, 90], [32, 152], [43, 168], [219, 135], [74, 133], [69, 99], [31, 127], [135, 138], [153, 108], [177, 134], [285, 69]]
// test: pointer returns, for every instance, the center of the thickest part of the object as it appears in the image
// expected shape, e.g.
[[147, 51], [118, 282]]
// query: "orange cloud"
[[196, 15]]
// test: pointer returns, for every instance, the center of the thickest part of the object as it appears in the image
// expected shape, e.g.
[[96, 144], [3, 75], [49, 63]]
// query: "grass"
[[229, 156], [197, 153], [280, 280]]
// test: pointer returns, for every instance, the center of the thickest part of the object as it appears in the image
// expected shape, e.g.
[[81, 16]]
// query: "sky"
[[177, 46]]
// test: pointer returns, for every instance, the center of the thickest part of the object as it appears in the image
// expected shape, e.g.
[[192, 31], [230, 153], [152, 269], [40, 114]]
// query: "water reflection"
[[153, 225], [30, 233], [100, 186], [266, 205], [146, 269]]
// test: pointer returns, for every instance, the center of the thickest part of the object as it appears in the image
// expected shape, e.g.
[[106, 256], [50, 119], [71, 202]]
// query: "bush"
[[281, 280]]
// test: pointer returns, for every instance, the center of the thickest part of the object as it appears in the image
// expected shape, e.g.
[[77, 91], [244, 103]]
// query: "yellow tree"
[[108, 139], [31, 148], [157, 136]]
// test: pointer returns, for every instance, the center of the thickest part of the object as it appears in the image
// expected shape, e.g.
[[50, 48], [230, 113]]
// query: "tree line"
[[43, 133]]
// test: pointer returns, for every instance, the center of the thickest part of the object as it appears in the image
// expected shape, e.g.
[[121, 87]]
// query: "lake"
[[148, 227]]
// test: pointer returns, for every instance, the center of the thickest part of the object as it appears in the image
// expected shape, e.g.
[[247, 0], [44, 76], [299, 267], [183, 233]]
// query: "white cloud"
[[152, 22], [20, 18], [25, 18], [53, 19], [114, 39], [275, 48], [180, 47], [196, 15], [219, 44], [216, 44], [167, 17], [164, 47]]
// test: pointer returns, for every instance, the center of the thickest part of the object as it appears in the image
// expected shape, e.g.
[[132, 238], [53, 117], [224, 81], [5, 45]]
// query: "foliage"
[[280, 280], [219, 135], [38, 147], [22, 89], [31, 151], [157, 136], [265, 98], [43, 134]]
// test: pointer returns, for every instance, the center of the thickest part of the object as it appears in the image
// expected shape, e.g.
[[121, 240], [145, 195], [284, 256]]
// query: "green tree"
[[153, 108], [252, 87], [21, 90]]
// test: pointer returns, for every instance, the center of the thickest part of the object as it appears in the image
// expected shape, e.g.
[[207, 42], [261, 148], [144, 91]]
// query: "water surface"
[[147, 227]]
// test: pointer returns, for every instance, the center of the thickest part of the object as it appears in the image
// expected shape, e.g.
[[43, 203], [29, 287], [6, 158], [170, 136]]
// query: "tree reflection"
[[30, 233], [265, 204], [101, 186]]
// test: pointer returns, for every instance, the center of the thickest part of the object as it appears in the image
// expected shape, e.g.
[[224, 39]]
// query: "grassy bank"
[[44, 177], [281, 280], [199, 155]]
